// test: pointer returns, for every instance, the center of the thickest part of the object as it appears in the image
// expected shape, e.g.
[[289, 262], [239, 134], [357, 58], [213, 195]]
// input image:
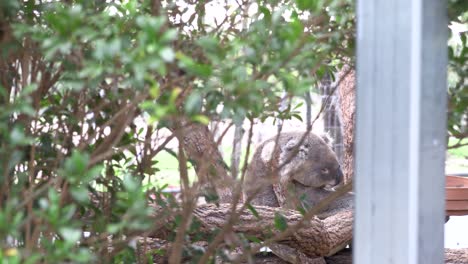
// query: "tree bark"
[[212, 171], [146, 246], [316, 239], [236, 150], [347, 93], [452, 256], [331, 120], [458, 256]]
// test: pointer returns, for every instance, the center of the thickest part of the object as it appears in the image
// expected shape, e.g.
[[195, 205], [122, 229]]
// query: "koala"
[[305, 174], [286, 174]]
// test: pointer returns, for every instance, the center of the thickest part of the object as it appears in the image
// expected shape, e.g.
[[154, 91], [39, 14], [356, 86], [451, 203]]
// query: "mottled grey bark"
[[236, 150], [347, 93], [308, 101], [317, 238], [200, 146]]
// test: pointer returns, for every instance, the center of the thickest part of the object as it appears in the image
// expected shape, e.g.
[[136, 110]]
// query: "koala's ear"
[[327, 138], [267, 151]]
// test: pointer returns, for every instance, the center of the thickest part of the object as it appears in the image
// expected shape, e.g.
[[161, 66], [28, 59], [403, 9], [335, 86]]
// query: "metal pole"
[[400, 131]]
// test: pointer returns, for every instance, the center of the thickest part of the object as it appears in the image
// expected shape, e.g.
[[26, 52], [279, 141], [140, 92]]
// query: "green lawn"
[[461, 152], [169, 170], [457, 158]]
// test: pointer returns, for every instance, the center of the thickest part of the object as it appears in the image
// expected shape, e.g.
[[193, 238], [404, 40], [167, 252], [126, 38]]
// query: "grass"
[[460, 152], [169, 171], [169, 168], [457, 158]]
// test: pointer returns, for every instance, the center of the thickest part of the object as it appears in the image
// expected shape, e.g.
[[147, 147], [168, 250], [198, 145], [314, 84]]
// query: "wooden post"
[[400, 131]]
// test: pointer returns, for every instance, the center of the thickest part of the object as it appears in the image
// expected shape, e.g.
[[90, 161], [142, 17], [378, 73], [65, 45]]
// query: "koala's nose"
[[339, 176]]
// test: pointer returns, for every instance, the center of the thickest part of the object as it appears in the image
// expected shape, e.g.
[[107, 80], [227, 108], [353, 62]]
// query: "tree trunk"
[[212, 171], [347, 93], [456, 255], [331, 120], [236, 150]]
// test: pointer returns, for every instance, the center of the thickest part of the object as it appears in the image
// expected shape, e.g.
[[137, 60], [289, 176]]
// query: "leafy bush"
[[92, 91]]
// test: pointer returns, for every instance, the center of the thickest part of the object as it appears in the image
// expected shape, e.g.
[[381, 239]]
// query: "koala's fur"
[[312, 166]]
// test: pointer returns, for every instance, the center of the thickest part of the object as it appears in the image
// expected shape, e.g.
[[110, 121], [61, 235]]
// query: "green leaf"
[[80, 194], [298, 117], [193, 103], [154, 89], [114, 228], [18, 138], [130, 183], [209, 43], [28, 89], [281, 222], [191, 66], [167, 54], [71, 235], [299, 105], [253, 211], [76, 165], [202, 119], [253, 239], [266, 12], [308, 5], [169, 35], [32, 259]]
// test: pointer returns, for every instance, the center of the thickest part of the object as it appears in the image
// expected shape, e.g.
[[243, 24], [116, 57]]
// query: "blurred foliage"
[[458, 89], [90, 90], [458, 74], [458, 81]]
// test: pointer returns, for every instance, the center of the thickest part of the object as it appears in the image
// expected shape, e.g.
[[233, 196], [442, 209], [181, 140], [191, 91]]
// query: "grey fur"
[[312, 167]]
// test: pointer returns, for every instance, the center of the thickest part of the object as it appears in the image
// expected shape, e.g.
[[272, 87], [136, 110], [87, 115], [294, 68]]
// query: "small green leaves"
[[92, 72], [167, 54], [202, 119], [71, 235], [149, 23], [193, 103], [280, 222], [169, 35], [77, 164], [17, 137], [253, 211], [130, 183], [80, 194], [254, 239], [308, 5], [197, 69]]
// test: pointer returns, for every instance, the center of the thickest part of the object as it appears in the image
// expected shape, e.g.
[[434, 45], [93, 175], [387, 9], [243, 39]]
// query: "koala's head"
[[312, 164]]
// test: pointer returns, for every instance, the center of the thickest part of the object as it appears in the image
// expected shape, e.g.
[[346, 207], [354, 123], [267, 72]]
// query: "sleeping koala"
[[293, 176], [304, 174]]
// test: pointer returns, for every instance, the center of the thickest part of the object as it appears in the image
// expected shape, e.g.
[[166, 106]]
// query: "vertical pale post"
[[400, 131]]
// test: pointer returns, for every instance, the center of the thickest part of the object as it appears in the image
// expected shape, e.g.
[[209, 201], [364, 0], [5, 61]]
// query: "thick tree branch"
[[317, 238]]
